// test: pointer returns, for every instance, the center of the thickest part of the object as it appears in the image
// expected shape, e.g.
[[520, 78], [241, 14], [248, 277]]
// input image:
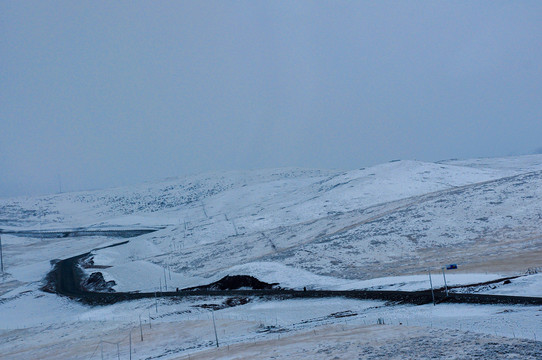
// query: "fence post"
[[214, 325], [165, 279], [445, 284], [1, 257], [431, 283]]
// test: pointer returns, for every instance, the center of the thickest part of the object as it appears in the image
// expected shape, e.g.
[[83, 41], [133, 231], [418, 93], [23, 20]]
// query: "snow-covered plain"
[[376, 228]]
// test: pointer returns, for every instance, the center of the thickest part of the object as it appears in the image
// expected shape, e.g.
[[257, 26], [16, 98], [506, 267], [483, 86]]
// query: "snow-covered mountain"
[[391, 219], [378, 228]]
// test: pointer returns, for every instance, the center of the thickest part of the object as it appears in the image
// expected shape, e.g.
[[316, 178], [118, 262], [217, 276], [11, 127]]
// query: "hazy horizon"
[[98, 95]]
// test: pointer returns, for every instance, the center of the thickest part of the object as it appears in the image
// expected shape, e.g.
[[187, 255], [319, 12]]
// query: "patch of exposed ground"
[[379, 342]]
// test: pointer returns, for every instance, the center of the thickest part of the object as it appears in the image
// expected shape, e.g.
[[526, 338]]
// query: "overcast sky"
[[101, 93]]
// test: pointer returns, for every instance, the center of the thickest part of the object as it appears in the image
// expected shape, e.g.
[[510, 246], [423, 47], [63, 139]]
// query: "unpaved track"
[[66, 278]]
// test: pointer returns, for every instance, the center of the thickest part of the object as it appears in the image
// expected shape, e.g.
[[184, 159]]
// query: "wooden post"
[[431, 282], [214, 325], [140, 328], [445, 285], [165, 279], [1, 257]]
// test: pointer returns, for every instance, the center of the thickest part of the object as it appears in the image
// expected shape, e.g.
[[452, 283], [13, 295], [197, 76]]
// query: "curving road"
[[66, 277]]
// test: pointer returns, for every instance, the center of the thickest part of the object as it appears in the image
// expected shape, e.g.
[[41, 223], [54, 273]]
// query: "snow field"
[[374, 228], [295, 328]]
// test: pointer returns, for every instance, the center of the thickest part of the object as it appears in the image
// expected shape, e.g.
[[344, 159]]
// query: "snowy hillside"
[[390, 219], [378, 228]]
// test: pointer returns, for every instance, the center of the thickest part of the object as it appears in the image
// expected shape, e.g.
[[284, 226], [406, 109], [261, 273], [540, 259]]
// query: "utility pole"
[[445, 285], [1, 257], [140, 328], [41, 231], [214, 325], [204, 211], [431, 282], [165, 279], [234, 227]]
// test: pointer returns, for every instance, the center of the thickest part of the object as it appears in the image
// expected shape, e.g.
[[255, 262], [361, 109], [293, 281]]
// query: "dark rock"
[[96, 282], [230, 302], [235, 282], [236, 301], [87, 261]]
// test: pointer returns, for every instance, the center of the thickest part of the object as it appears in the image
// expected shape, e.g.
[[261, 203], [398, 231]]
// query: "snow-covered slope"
[[380, 228], [395, 218], [311, 193]]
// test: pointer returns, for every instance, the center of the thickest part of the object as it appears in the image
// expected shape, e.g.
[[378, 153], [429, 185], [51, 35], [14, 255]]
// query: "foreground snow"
[[379, 342], [322, 328]]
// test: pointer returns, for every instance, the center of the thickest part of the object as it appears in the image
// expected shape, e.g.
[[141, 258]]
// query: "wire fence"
[[269, 327]]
